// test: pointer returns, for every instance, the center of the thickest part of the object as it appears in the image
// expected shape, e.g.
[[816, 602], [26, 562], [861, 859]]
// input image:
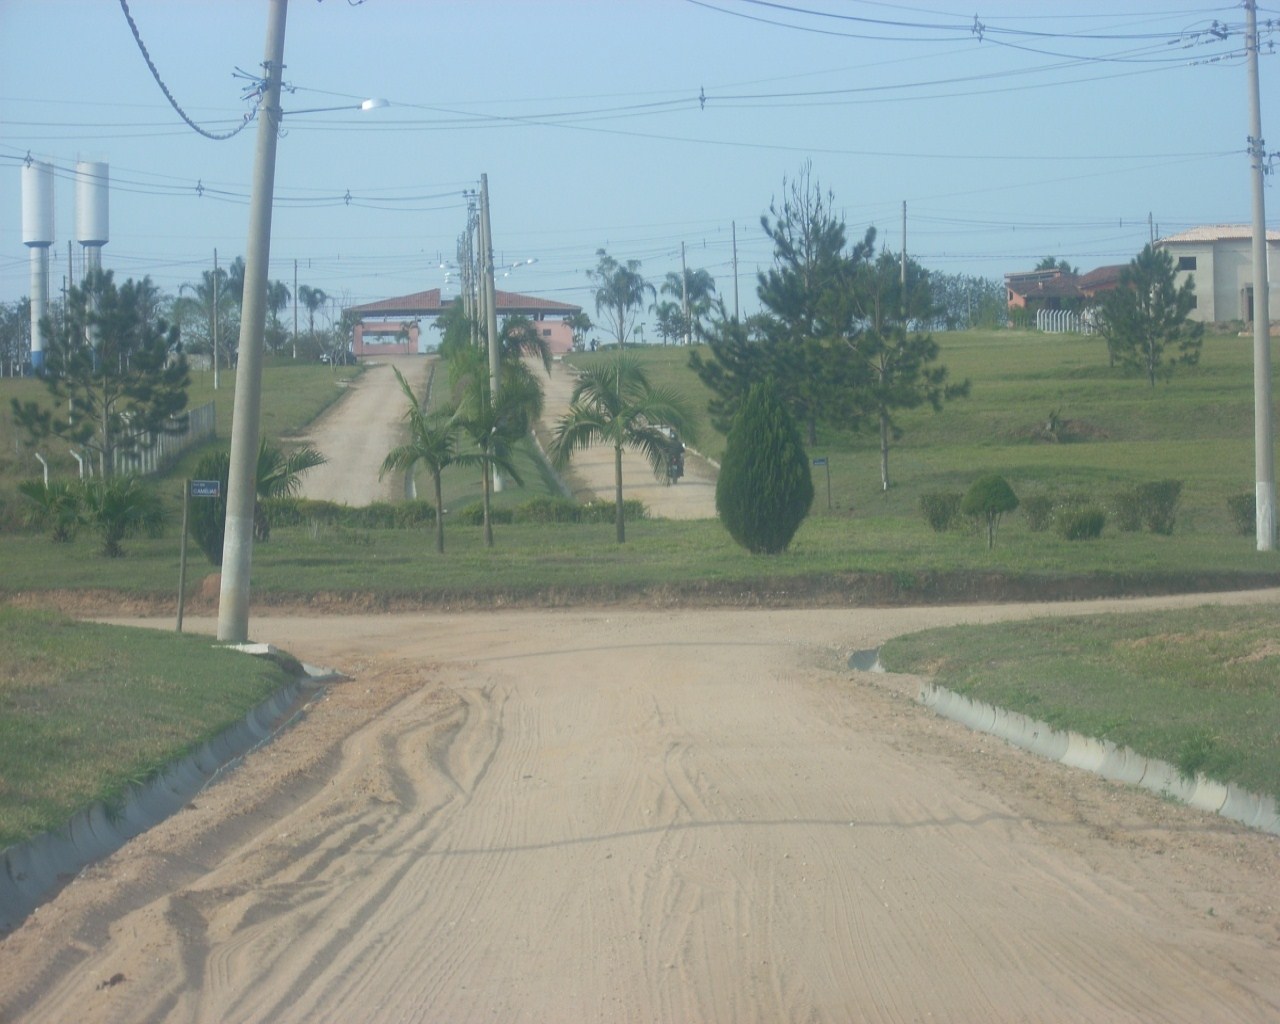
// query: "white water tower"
[[92, 180], [37, 236]]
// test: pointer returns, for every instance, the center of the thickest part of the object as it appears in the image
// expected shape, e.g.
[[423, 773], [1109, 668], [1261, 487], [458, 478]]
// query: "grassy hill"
[[1111, 432], [1114, 430]]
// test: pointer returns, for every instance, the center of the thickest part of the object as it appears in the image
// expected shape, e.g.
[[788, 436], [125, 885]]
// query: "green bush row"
[[290, 511], [1150, 506], [550, 510]]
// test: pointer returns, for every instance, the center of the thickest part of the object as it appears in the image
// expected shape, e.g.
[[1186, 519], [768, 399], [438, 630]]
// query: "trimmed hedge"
[[1084, 523], [941, 509], [1244, 512]]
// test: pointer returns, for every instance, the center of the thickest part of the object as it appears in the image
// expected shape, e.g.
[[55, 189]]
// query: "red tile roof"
[[429, 303]]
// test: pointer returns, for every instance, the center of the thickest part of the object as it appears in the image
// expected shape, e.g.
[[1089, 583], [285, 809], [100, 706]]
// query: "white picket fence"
[[1062, 321], [159, 451]]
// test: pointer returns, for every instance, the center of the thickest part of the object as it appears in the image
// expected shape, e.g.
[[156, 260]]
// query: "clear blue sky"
[[635, 125]]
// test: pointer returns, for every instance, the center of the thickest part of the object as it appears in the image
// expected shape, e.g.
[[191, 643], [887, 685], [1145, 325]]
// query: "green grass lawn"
[[86, 710], [1199, 688]]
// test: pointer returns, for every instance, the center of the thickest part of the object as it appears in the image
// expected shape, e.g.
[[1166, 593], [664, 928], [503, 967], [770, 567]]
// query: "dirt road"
[[357, 431], [653, 816]]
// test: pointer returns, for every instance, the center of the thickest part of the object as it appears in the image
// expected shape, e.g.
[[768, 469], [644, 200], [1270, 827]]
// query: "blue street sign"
[[206, 488], [820, 461]]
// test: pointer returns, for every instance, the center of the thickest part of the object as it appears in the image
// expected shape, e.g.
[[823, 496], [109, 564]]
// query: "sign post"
[[821, 460], [191, 489]]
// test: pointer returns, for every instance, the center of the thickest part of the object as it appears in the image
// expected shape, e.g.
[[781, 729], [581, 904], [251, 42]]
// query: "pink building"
[[394, 326]]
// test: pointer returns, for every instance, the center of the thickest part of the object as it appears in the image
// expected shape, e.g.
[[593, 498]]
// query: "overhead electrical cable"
[[155, 73]]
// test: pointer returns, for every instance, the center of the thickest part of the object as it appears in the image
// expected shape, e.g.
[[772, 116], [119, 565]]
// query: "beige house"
[[1220, 258]]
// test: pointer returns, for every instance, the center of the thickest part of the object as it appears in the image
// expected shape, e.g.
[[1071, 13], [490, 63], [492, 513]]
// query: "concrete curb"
[[1102, 757], [33, 871]]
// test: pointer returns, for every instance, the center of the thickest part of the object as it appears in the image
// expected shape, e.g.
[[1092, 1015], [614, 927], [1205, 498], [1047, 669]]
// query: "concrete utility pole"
[[1263, 451], [215, 319], [684, 299], [491, 304], [295, 309], [735, 269], [233, 600], [902, 306]]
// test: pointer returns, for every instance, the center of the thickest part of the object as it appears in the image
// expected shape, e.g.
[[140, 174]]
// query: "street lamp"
[[370, 104], [233, 598], [518, 264]]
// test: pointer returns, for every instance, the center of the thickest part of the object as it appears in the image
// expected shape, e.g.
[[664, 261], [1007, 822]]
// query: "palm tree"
[[579, 323], [432, 442], [312, 299], [279, 475], [614, 403], [199, 305], [519, 337], [57, 507], [620, 289], [120, 507], [277, 299], [235, 281], [494, 423], [670, 320], [701, 289]]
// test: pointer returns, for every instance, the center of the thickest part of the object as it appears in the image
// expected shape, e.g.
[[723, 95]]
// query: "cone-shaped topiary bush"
[[764, 489]]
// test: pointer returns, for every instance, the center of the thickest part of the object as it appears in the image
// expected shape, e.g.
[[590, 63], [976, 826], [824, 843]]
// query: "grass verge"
[[87, 710], [1199, 688]]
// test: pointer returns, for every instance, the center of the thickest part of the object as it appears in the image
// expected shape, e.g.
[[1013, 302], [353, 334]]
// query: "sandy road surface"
[[653, 816], [357, 431]]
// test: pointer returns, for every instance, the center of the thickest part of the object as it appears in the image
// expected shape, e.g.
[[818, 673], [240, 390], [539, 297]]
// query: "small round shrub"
[[1083, 523], [987, 500]]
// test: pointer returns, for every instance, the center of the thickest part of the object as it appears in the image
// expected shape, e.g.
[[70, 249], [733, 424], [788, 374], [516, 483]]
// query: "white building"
[[1220, 258]]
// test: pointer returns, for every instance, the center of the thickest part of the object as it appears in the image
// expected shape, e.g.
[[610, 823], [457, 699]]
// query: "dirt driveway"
[[625, 815], [357, 431]]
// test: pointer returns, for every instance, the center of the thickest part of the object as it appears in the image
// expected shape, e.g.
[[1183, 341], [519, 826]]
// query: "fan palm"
[[279, 475], [120, 507], [614, 403]]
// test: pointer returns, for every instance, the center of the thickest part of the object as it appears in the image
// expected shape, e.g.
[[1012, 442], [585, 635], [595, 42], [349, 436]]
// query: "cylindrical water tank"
[[92, 221], [37, 204]]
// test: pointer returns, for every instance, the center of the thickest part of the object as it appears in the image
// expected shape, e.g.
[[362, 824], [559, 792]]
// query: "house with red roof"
[[394, 326]]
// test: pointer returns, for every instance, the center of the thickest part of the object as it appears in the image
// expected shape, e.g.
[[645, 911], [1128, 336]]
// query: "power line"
[[155, 73]]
